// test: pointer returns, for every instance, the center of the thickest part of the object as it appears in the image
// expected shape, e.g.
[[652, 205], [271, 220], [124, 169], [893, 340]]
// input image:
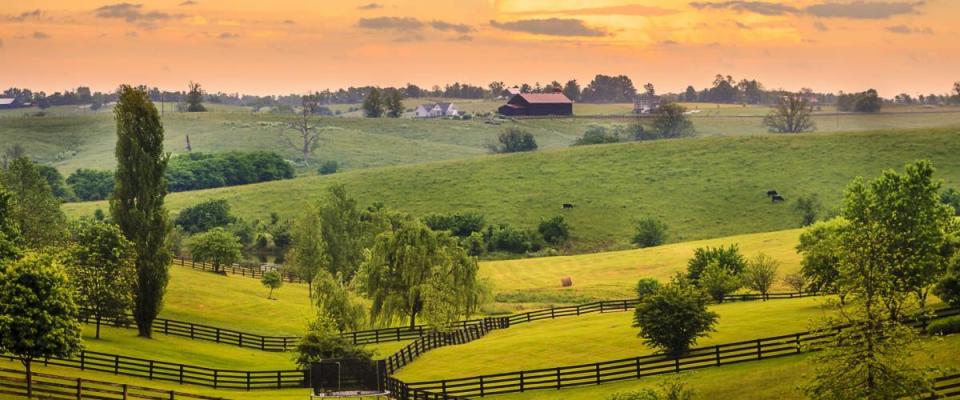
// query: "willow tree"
[[137, 200], [410, 266]]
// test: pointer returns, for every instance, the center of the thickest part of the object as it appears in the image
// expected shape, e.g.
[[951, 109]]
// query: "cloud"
[[228, 36], [742, 25], [370, 6], [133, 13], [289, 22], [462, 38], [410, 38], [550, 26], [1, 43], [446, 26], [35, 14], [864, 10], [132, 34], [758, 7], [669, 43], [40, 35], [188, 3], [390, 23], [906, 30], [629, 9], [822, 27]]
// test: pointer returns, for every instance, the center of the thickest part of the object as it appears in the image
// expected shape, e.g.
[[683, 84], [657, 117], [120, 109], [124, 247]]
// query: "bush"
[[514, 140], [205, 216], [597, 135], [944, 326], [647, 287], [650, 232], [460, 225], [672, 122], [328, 167], [728, 258], [951, 198], [808, 207], [507, 238], [322, 341], [91, 185], [674, 317], [948, 288], [202, 171], [554, 230]]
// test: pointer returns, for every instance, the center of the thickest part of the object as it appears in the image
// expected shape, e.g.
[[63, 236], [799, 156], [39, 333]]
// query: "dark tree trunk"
[[98, 326], [26, 364]]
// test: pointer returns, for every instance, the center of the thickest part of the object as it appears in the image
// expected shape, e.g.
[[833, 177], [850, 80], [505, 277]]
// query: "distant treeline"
[[192, 171]]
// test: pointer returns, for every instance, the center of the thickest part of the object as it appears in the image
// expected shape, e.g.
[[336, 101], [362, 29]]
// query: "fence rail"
[[56, 387], [947, 387], [433, 340], [630, 368], [181, 373], [237, 269]]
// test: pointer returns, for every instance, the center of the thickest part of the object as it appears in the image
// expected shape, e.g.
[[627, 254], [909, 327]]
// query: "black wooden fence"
[[237, 269], [623, 369], [56, 387], [947, 387], [433, 340], [181, 373]]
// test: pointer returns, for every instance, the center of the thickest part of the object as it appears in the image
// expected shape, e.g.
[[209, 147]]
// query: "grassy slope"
[[702, 188], [599, 337]]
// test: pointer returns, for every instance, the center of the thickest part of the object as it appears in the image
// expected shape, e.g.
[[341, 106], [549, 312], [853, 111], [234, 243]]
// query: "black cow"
[[567, 205], [776, 198], [771, 193]]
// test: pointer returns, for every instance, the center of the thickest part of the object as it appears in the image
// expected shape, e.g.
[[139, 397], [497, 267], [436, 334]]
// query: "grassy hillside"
[[702, 187]]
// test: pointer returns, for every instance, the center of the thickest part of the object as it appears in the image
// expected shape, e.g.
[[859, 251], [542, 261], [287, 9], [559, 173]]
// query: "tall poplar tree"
[[137, 200]]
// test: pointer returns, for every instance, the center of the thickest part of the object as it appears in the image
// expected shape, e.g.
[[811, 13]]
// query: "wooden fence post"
[[521, 383], [150, 373], [481, 385], [82, 360], [676, 363], [248, 381], [172, 395], [558, 379], [717, 348], [598, 373], [124, 391], [759, 350], [181, 374], [79, 388], [215, 373], [116, 365]]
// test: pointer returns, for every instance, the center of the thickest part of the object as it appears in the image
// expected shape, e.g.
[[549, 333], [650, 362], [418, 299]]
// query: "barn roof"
[[6, 101], [545, 98]]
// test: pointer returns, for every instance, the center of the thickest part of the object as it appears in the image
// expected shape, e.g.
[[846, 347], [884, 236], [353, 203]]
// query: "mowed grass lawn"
[[701, 188], [777, 378], [600, 337]]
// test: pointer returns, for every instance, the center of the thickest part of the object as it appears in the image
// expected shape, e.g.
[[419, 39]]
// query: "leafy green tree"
[[728, 258], [646, 287], [394, 103], [555, 230], [458, 224], [650, 232], [57, 185], [671, 121], [820, 248], [344, 232], [795, 281], [951, 198], [136, 203], [670, 389], [10, 240], [718, 281], [404, 261], [868, 102], [673, 318], [307, 254], [101, 267], [373, 104], [791, 114], [33, 208], [38, 315], [514, 140], [205, 216], [322, 341], [948, 288], [597, 135], [571, 90], [808, 207], [271, 280], [91, 185], [332, 299], [217, 246], [760, 274], [195, 98]]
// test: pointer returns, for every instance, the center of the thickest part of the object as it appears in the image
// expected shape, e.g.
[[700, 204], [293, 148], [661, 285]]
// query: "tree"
[[690, 95], [760, 274], [597, 134], [322, 341], [948, 288], [344, 231], [795, 281], [38, 315], [718, 281], [672, 122], [216, 246], [307, 134], [33, 208], [728, 258], [271, 280], [373, 104], [820, 248], [650, 232], [101, 267], [307, 253], [808, 207], [91, 185], [55, 180], [195, 98], [404, 261], [394, 103], [10, 240], [791, 114], [513, 140], [673, 318], [647, 287], [331, 298], [555, 230], [205, 216], [951, 198], [868, 102], [609, 89], [12, 153], [572, 90], [136, 203]]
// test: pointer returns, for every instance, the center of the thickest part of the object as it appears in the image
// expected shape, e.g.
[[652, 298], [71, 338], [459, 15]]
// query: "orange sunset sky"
[[294, 46]]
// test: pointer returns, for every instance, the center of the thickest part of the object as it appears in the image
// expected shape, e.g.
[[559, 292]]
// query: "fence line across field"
[[56, 387]]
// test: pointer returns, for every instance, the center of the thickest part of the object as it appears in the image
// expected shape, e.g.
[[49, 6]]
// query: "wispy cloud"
[[629, 9], [550, 27], [35, 14], [908, 30], [388, 23], [822, 27], [228, 36], [133, 13], [188, 3], [462, 38], [370, 6], [40, 35], [853, 10], [446, 26], [758, 7]]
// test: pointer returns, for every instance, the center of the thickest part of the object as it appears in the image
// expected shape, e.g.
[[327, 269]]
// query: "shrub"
[[948, 288], [944, 326], [202, 171], [91, 185], [672, 122], [328, 167], [507, 238], [461, 225], [809, 208], [597, 135], [474, 244], [674, 317], [951, 198], [513, 140], [728, 258], [647, 287], [205, 216], [554, 230], [322, 341], [650, 232]]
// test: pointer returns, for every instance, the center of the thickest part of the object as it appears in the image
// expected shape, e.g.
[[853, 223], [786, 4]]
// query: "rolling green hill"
[[702, 187]]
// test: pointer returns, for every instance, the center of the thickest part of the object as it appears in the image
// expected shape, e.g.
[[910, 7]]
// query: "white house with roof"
[[433, 110]]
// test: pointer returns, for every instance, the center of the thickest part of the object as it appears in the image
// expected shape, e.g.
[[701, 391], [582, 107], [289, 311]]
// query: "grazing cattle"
[[567, 205], [771, 193], [776, 198], [566, 281]]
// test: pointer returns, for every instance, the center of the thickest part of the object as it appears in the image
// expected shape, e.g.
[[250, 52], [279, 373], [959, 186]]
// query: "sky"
[[297, 46]]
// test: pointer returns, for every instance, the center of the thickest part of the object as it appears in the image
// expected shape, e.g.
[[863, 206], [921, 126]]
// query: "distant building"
[[512, 91], [9, 102], [433, 110], [537, 104], [646, 103]]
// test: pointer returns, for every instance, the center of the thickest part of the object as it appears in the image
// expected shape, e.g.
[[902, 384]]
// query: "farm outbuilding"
[[6, 102], [537, 104]]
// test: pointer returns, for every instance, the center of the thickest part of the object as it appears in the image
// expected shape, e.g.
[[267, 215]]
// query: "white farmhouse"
[[433, 110]]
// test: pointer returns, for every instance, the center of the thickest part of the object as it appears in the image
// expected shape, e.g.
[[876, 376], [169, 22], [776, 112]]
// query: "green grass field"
[[702, 187]]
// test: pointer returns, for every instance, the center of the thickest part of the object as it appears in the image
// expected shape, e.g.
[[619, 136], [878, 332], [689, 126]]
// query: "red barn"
[[529, 104]]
